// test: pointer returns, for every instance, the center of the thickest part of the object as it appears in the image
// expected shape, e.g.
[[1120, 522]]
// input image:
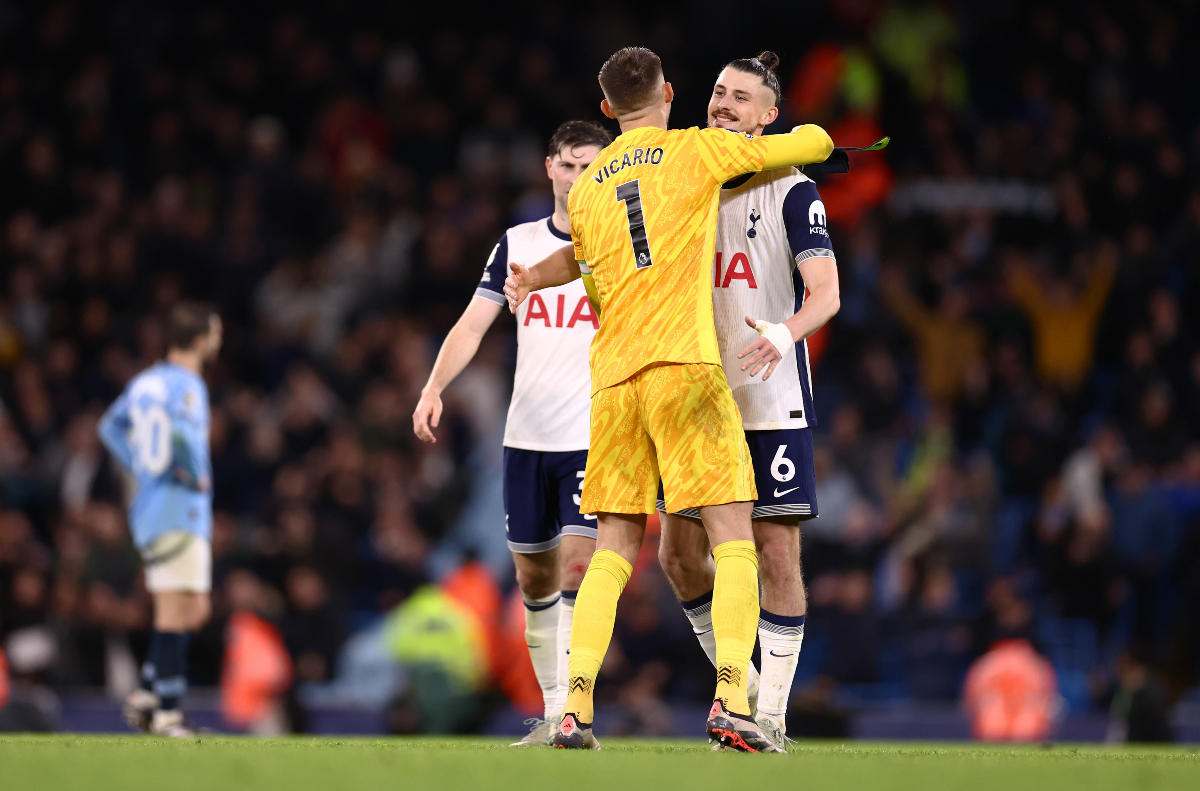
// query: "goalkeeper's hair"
[[630, 79], [573, 134], [188, 321], [762, 67]]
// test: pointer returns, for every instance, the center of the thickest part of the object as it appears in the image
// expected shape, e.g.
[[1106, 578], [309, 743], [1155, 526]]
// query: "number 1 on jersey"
[[630, 194]]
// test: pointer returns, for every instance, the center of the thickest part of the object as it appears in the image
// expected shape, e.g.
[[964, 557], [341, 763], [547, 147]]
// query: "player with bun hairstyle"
[[763, 66], [772, 245]]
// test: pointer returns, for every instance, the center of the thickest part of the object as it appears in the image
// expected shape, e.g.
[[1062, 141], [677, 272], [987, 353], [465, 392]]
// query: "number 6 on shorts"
[[782, 468]]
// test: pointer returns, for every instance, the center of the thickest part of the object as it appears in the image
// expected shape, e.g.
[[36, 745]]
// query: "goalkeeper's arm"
[[808, 144]]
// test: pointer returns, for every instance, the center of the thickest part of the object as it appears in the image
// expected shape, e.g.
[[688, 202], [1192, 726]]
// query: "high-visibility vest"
[[256, 671], [1011, 693], [4, 686], [431, 628]]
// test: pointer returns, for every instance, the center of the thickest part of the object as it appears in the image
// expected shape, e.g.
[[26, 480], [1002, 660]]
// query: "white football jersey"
[[768, 223], [551, 400]]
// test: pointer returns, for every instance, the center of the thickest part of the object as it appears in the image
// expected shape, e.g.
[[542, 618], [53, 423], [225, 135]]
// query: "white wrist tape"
[[778, 334]]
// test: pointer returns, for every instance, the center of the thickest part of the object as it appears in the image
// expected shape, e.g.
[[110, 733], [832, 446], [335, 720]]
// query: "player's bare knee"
[[778, 541], [576, 554], [572, 574], [778, 570], [536, 586], [672, 562], [201, 612], [688, 575], [536, 580]]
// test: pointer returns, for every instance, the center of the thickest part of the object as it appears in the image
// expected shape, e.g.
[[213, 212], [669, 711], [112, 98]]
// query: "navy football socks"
[[168, 663]]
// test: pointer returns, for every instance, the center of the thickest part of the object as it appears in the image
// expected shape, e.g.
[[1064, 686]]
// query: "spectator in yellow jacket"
[[1064, 320], [947, 339]]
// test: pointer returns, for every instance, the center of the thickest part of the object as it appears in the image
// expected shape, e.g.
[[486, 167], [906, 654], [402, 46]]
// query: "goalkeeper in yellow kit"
[[643, 227]]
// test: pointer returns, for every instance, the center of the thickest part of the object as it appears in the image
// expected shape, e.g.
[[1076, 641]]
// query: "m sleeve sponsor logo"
[[816, 213], [816, 219]]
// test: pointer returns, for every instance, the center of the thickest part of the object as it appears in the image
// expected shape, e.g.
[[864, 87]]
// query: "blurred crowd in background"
[[1009, 399]]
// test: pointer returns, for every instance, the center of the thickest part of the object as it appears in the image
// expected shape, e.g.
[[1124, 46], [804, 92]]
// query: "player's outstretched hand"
[[766, 352], [426, 416], [516, 286]]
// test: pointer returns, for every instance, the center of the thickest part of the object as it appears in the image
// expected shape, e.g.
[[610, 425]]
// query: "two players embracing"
[[662, 407]]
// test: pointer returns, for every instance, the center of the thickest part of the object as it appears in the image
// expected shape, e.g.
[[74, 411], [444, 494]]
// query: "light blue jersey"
[[158, 430]]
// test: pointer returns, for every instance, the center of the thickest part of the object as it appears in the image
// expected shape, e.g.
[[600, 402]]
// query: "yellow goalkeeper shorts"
[[677, 422]]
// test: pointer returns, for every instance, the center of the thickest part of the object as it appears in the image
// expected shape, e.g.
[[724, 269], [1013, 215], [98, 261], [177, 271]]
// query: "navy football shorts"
[[541, 498], [783, 474]]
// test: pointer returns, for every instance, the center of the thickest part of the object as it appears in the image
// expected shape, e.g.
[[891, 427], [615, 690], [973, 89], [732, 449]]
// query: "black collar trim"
[[733, 184], [566, 237]]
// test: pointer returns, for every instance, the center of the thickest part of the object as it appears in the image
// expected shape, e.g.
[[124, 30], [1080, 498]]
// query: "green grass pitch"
[[70, 762]]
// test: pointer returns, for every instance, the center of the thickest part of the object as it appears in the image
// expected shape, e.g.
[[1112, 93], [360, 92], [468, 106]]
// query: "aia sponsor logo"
[[738, 269], [538, 311]]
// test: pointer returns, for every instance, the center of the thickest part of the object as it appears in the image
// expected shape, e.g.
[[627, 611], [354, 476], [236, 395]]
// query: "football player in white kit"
[[546, 435], [772, 244]]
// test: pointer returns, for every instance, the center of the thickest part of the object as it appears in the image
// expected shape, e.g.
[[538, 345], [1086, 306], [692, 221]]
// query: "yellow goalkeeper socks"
[[734, 619], [592, 627]]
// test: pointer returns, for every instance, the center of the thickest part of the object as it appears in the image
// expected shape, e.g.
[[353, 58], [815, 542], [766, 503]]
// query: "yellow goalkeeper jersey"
[[643, 220]]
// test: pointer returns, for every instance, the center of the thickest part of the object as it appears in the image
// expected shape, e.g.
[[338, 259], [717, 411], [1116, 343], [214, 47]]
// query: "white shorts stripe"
[[579, 530], [817, 252], [491, 296], [532, 549], [797, 509]]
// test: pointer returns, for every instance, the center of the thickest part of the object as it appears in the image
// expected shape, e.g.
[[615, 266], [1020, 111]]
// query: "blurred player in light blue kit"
[[158, 431]]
